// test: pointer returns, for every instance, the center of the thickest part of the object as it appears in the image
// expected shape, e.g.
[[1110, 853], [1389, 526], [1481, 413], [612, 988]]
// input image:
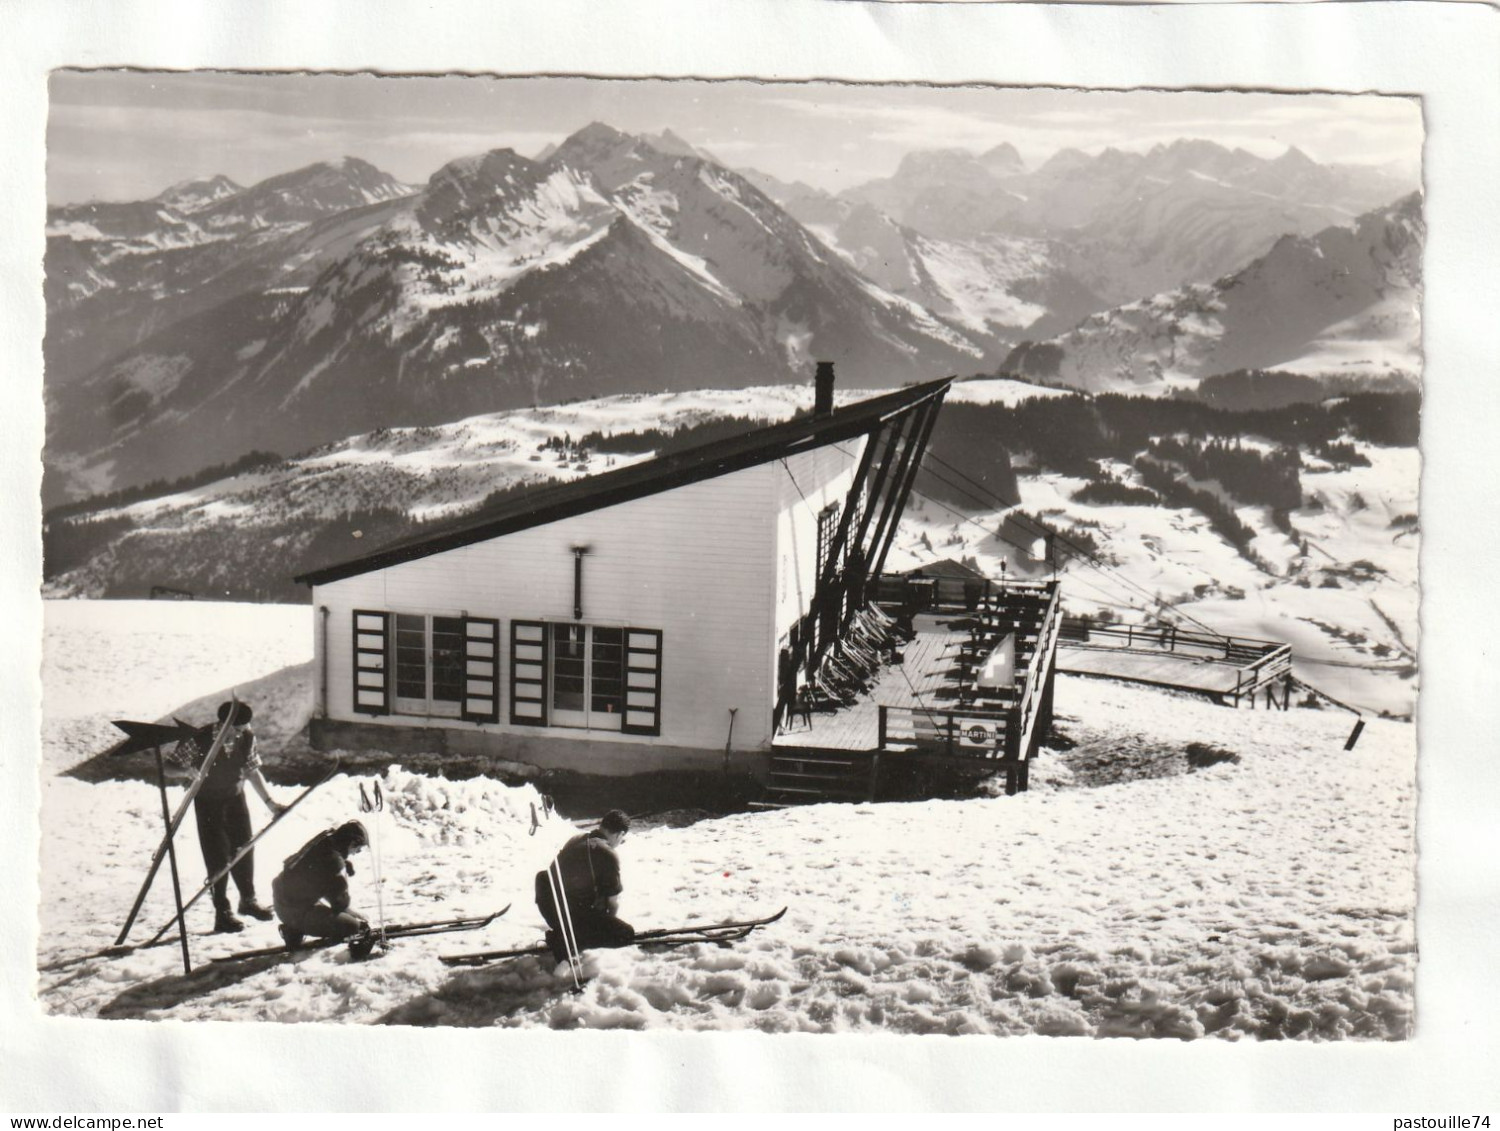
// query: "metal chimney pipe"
[[823, 389]]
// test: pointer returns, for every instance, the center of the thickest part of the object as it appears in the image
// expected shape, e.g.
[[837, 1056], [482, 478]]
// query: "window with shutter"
[[642, 681], [481, 670], [528, 673], [429, 654], [371, 651]]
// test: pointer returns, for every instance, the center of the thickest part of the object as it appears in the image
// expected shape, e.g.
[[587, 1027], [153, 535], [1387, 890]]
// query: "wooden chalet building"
[[662, 616], [718, 609]]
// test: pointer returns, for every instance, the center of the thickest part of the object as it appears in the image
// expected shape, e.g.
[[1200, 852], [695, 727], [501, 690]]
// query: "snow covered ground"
[[1271, 896], [1349, 608]]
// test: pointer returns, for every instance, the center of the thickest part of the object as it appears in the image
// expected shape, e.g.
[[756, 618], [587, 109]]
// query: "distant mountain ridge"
[[1134, 223], [215, 319], [1344, 303], [610, 266]]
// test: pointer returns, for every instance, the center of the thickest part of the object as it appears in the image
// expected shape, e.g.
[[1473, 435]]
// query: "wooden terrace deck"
[[1167, 669], [926, 677]]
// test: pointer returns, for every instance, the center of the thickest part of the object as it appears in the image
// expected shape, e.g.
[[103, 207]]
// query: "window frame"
[[587, 717], [428, 706]]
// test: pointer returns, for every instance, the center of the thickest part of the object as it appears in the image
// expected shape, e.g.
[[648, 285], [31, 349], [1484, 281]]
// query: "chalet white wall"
[[697, 562]]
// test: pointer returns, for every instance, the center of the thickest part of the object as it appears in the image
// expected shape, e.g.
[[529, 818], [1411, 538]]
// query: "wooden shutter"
[[642, 682], [481, 670], [372, 692], [528, 673]]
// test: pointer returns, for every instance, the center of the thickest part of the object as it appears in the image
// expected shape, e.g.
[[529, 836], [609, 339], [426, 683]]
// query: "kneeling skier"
[[311, 895], [587, 874]]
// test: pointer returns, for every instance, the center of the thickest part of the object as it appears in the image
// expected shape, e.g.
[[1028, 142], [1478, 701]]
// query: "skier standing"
[[311, 895], [587, 872], [223, 817]]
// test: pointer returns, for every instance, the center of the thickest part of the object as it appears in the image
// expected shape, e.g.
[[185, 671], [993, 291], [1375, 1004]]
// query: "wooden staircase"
[[808, 776]]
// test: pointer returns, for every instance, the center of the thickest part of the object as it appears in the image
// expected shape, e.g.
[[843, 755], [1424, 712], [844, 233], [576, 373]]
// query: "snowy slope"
[[1349, 604], [1349, 608], [996, 286], [1269, 897]]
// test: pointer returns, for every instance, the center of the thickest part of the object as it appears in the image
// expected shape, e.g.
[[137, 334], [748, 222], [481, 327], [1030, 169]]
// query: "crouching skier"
[[311, 895], [587, 873]]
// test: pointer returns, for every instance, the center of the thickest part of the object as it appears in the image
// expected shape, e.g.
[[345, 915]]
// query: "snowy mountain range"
[[609, 266], [1133, 223], [212, 320], [1342, 303]]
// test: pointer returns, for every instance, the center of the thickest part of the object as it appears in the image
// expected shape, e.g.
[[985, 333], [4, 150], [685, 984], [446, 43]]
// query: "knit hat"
[[242, 712]]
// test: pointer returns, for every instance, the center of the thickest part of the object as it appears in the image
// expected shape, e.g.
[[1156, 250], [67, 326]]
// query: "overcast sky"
[[128, 135]]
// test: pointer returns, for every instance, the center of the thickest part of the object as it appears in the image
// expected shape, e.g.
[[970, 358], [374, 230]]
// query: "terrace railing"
[[1036, 693], [949, 594], [1258, 664], [989, 728], [963, 733], [1275, 666], [1157, 638]]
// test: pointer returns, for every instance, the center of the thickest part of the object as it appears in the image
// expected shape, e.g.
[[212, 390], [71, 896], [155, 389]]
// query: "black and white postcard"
[[905, 545]]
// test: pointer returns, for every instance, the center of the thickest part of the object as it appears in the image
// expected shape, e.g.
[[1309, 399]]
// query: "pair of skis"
[[721, 934], [361, 945]]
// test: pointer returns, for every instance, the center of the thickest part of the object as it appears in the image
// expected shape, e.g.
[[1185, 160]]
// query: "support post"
[[166, 819], [912, 462]]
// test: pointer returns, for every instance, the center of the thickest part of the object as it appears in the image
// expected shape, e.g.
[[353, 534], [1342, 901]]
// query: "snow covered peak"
[[932, 164], [672, 144], [1004, 160], [191, 195], [304, 195], [494, 166], [596, 141], [1065, 160], [1294, 158]]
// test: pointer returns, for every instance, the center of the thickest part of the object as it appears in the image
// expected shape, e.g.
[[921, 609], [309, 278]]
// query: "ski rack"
[[167, 846]]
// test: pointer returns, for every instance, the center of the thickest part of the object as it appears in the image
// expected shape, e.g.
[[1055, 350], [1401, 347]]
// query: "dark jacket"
[[316, 871], [226, 776], [590, 871]]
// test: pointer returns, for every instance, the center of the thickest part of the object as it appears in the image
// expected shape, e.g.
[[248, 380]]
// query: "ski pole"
[[367, 806], [237, 857], [565, 920]]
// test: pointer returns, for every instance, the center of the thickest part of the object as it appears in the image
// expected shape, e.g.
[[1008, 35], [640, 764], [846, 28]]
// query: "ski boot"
[[362, 945], [248, 906], [292, 939], [226, 924]]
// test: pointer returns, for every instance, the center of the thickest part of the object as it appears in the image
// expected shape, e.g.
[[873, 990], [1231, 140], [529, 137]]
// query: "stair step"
[[795, 796], [776, 774], [813, 761]]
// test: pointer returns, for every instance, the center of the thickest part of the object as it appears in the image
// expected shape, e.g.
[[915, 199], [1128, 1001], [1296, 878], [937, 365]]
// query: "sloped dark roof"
[[650, 477]]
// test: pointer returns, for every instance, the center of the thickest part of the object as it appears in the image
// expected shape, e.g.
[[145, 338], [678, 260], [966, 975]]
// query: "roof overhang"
[[559, 501]]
